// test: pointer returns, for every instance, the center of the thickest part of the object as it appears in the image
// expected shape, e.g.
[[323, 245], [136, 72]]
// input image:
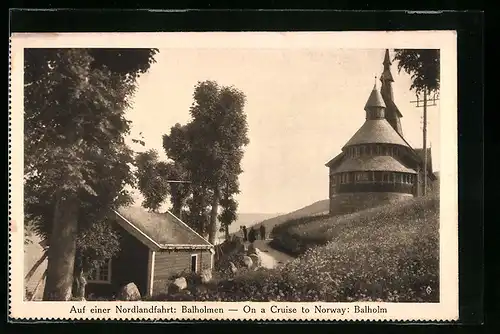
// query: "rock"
[[177, 285], [206, 276], [251, 249], [129, 292], [233, 268], [181, 283], [247, 260], [256, 259]]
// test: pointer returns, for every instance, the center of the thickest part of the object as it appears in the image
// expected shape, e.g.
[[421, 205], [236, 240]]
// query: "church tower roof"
[[375, 100], [376, 128]]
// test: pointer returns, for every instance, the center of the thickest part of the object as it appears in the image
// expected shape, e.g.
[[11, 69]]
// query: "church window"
[[362, 177], [385, 177]]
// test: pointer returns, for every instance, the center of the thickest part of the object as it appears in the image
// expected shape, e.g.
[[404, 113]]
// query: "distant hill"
[[250, 219], [317, 208]]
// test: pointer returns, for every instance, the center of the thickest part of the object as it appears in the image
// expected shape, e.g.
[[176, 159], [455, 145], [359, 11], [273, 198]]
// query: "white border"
[[446, 309]]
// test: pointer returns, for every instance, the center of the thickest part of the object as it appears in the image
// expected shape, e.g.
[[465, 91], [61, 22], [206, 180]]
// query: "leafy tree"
[[178, 147], [422, 65], [152, 176], [179, 191], [155, 182], [76, 161], [210, 147]]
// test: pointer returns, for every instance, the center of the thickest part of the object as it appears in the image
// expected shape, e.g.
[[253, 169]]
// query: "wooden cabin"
[[154, 247]]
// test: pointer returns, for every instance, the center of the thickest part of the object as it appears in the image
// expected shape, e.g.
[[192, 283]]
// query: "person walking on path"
[[262, 232], [252, 235], [245, 235]]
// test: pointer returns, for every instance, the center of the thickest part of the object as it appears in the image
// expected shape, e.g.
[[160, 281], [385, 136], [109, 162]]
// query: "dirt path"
[[270, 257]]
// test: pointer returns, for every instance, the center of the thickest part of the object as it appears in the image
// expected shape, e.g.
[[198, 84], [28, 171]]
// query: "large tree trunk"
[[212, 232], [62, 249]]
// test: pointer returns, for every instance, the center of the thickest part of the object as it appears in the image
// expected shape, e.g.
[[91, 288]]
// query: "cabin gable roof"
[[159, 230]]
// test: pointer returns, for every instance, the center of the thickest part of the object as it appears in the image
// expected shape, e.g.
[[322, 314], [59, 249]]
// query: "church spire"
[[392, 113], [386, 77]]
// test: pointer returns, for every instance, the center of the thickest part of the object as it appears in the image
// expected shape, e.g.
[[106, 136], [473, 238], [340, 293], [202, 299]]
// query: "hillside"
[[315, 209], [298, 235]]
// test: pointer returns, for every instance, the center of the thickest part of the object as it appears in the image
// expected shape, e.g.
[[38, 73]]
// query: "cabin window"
[[356, 151], [101, 274], [194, 263], [362, 150], [377, 150]]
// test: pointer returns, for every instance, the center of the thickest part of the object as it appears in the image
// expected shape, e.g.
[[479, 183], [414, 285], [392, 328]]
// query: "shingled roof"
[[159, 230], [376, 131], [373, 163]]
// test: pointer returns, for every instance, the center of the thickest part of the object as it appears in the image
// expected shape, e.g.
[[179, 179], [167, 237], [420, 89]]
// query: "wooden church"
[[377, 165]]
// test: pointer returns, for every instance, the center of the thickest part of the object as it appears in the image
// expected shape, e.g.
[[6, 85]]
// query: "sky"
[[302, 106]]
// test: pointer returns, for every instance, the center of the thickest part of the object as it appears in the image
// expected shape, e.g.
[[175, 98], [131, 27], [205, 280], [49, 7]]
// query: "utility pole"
[[424, 105]]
